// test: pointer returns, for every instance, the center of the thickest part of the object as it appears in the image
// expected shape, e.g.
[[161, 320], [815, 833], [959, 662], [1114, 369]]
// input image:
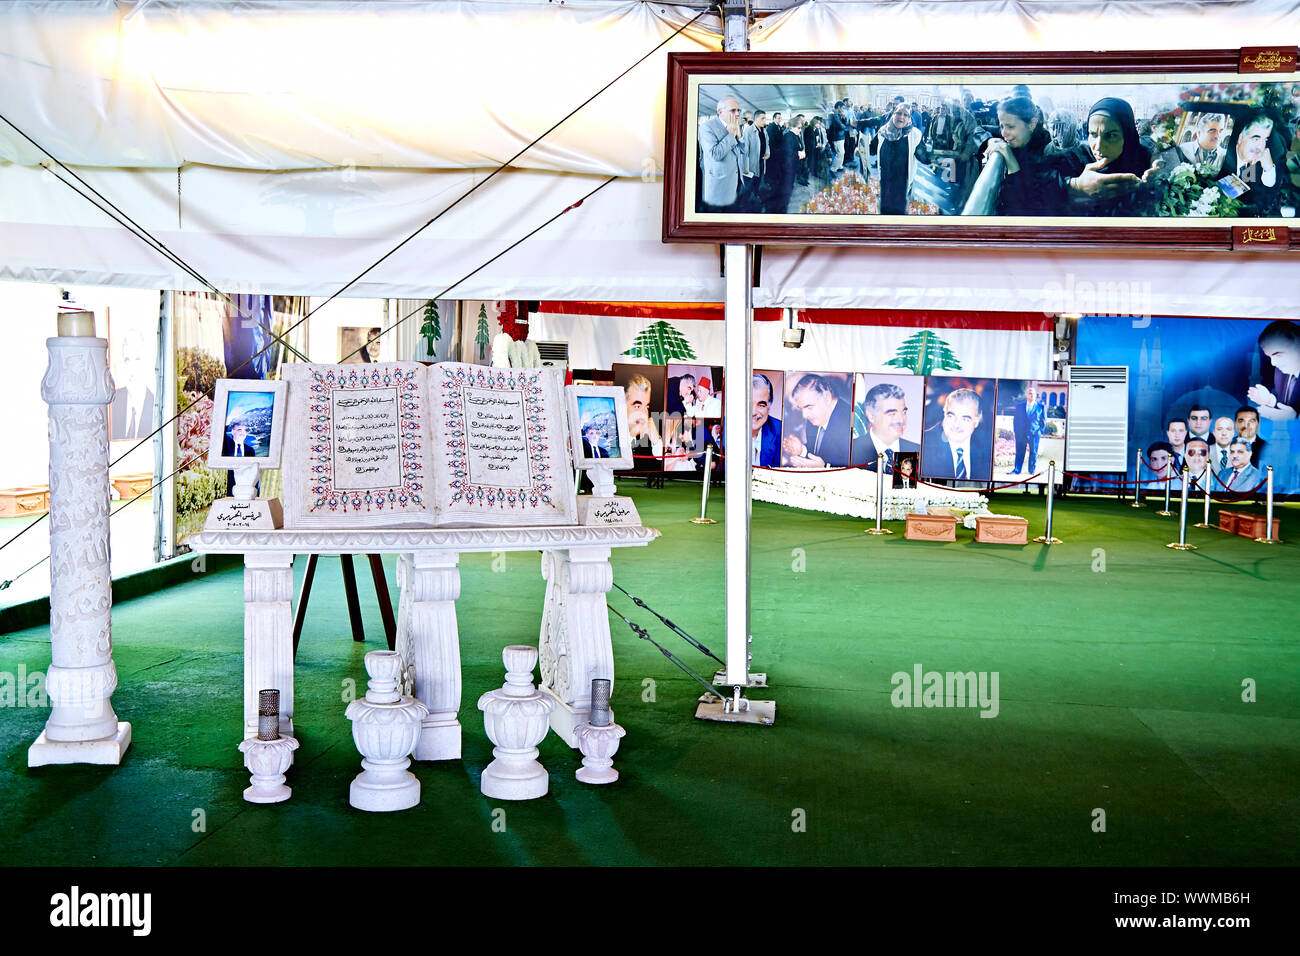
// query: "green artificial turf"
[[1120, 690]]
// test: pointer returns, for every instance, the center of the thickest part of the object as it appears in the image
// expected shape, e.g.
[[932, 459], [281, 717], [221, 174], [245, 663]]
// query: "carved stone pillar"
[[82, 726], [434, 582], [574, 644], [268, 634]]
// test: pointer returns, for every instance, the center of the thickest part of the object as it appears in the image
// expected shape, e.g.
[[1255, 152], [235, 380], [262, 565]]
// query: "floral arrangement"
[[854, 197], [193, 428], [1190, 191]]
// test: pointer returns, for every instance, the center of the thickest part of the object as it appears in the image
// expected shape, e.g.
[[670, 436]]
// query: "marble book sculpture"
[[401, 444]]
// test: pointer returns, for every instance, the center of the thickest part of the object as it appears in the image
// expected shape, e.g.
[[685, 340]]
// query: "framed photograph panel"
[[1030, 430], [1167, 149], [958, 439], [598, 426], [247, 423]]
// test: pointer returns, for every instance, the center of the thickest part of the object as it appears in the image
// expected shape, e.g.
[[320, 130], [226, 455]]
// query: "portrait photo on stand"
[[886, 417], [765, 417], [906, 468], [247, 423], [1030, 430], [817, 430], [598, 426], [644, 389], [959, 422]]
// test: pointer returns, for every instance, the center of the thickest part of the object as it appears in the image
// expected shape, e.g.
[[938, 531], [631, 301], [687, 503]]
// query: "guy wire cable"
[[360, 275], [671, 626], [6, 583], [640, 632]]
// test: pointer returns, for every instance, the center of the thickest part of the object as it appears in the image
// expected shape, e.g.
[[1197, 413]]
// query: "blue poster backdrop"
[[1179, 364]]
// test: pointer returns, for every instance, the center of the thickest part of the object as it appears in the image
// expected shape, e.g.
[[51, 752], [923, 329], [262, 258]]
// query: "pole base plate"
[[1044, 539], [1165, 514], [1137, 504], [1269, 540], [753, 680], [760, 712], [703, 521], [1181, 547], [879, 531], [1202, 524]]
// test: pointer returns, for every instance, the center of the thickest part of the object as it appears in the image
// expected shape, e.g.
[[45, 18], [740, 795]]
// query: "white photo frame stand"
[[601, 443], [246, 437]]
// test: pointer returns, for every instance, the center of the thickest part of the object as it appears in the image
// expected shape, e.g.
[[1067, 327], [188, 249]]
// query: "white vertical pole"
[[737, 374]]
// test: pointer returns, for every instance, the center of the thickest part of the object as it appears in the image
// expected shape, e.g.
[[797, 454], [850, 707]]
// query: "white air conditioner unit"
[[1096, 429], [554, 354]]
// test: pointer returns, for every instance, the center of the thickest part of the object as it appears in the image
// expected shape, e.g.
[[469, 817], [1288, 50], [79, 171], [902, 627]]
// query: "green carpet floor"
[[1121, 668]]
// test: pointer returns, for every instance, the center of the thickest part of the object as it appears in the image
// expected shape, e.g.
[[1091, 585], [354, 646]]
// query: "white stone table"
[[574, 644]]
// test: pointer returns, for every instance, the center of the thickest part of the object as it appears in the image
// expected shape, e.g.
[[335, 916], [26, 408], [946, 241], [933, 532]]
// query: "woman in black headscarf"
[[1113, 150]]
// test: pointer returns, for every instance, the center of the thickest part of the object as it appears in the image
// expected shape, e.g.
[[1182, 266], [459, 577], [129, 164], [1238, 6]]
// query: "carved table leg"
[[268, 634], [574, 645], [434, 582]]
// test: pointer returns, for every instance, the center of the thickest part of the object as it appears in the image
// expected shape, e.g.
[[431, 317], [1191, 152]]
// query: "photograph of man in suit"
[[885, 408], [827, 425], [1028, 420], [1198, 464], [1248, 431], [1176, 432], [592, 446], [131, 413], [959, 447], [235, 443], [1198, 425], [1203, 148], [765, 431], [1243, 476], [1224, 432], [722, 156]]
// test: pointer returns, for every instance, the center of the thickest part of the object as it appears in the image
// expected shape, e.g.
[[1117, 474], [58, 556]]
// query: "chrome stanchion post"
[[1207, 480], [704, 492], [1268, 511], [1137, 481], [1181, 544], [880, 499], [1046, 536], [1166, 513]]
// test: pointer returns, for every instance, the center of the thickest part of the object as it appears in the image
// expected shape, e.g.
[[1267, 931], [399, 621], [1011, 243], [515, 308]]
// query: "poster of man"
[[886, 418], [818, 425], [1030, 430], [765, 427], [643, 388], [959, 421]]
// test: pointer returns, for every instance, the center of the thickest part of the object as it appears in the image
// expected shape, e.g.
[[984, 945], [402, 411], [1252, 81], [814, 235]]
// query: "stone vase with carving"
[[516, 719], [267, 760], [598, 746], [385, 728]]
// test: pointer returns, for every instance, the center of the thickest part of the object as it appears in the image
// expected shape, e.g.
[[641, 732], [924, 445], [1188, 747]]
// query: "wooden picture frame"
[[697, 81], [233, 400], [607, 405]]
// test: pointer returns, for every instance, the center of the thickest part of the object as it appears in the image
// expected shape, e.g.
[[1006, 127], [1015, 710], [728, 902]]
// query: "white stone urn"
[[267, 760], [598, 746], [516, 719], [385, 728]]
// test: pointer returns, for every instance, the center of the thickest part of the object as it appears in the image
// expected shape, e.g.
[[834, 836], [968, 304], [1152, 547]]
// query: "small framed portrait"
[[598, 426], [247, 423]]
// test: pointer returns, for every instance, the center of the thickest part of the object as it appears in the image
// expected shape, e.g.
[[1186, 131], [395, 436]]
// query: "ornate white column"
[[574, 645], [82, 726], [433, 579], [268, 634]]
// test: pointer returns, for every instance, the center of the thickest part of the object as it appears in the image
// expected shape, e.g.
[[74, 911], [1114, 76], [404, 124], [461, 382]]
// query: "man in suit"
[[591, 444], [1203, 149], [1248, 431], [1028, 421], [1198, 464], [235, 443], [827, 424], [751, 167], [958, 448], [721, 157], [885, 408], [1224, 432], [765, 431], [1243, 476], [1176, 432], [1198, 425], [836, 129]]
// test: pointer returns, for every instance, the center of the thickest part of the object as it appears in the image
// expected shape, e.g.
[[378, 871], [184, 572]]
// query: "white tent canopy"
[[284, 147]]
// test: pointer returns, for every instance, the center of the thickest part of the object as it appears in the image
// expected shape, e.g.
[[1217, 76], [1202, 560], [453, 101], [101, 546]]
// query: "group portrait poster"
[[692, 405], [957, 442], [1140, 150]]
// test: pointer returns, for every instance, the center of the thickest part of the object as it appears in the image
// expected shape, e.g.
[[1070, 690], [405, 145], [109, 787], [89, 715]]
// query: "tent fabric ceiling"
[[283, 147]]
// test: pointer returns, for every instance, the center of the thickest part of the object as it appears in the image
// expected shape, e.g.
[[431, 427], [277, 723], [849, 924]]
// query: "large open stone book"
[[401, 444]]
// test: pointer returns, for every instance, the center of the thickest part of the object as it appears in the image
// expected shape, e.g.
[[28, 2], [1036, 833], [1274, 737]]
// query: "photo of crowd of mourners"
[[1131, 150]]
